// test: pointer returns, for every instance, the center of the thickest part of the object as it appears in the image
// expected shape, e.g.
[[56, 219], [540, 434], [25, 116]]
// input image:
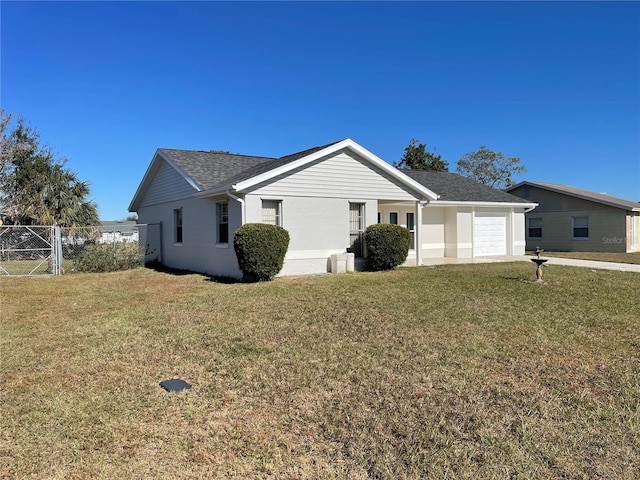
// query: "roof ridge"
[[214, 152], [304, 153]]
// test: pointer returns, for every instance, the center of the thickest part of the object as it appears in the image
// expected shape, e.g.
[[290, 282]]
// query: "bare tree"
[[490, 168]]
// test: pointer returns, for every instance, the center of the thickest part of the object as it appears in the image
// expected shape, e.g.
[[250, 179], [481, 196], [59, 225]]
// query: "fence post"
[[57, 250]]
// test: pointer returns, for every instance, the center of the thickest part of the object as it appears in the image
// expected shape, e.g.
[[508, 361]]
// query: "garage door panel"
[[489, 235]]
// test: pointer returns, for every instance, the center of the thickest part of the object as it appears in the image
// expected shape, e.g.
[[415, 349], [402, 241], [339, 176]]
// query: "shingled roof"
[[455, 188], [211, 170]]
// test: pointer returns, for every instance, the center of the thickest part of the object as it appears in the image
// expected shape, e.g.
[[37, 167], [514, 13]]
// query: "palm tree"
[[36, 188]]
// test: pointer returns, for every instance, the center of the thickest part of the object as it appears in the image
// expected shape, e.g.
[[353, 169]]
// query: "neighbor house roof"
[[126, 226], [455, 188], [602, 198]]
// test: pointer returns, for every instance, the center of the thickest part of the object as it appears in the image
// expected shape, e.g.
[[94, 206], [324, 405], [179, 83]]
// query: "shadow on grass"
[[157, 267]]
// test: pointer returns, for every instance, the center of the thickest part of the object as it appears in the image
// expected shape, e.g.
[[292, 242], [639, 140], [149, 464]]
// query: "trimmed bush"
[[387, 246], [105, 257], [260, 249]]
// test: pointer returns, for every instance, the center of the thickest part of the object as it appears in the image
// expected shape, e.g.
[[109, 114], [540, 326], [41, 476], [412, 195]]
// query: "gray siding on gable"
[[165, 186], [341, 176]]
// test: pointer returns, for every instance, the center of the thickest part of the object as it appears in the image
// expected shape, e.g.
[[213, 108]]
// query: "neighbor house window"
[[223, 222], [535, 228], [272, 212], [177, 225], [580, 227], [393, 218], [411, 226], [356, 229]]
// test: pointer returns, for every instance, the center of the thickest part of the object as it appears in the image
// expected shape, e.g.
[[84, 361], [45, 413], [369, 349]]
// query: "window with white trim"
[[411, 226], [177, 225], [393, 218], [356, 229], [272, 212], [534, 229], [222, 213], [580, 226]]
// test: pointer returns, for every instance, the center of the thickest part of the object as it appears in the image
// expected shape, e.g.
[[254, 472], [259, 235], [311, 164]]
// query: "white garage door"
[[489, 235]]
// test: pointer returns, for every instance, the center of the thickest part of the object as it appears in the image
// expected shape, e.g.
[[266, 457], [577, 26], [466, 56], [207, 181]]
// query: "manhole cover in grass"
[[175, 385]]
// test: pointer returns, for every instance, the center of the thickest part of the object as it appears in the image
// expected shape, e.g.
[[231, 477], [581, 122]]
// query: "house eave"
[[454, 203], [215, 191], [153, 167]]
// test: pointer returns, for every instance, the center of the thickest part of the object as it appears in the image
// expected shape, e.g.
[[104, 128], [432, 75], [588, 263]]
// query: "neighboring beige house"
[[570, 219], [325, 197]]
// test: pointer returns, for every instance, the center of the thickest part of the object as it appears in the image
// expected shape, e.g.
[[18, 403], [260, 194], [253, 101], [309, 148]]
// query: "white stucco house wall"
[[325, 197]]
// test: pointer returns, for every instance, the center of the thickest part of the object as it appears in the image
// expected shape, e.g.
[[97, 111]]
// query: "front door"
[[411, 226]]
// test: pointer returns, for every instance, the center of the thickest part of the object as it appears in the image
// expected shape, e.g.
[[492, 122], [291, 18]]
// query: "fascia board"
[[212, 192], [153, 167], [142, 186], [513, 187], [336, 147], [250, 182], [452, 203], [181, 172], [394, 172]]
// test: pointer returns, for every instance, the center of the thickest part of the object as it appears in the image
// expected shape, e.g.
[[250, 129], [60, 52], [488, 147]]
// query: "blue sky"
[[106, 83]]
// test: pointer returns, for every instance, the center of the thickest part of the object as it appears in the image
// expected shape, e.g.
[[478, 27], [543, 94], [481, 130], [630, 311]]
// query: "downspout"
[[242, 206]]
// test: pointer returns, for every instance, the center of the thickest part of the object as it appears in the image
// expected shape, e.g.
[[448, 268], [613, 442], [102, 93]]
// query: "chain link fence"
[[27, 250], [46, 250]]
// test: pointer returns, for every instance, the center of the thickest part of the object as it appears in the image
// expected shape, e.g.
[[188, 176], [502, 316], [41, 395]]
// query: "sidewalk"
[[572, 262]]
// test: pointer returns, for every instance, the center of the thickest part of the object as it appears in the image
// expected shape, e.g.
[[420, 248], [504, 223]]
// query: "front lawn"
[[458, 371]]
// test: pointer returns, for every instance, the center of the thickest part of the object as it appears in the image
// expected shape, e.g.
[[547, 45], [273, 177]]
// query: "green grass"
[[24, 267], [633, 258], [460, 371]]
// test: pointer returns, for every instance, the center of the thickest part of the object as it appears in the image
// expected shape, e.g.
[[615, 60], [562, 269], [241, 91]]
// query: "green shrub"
[[387, 246], [105, 257], [260, 249]]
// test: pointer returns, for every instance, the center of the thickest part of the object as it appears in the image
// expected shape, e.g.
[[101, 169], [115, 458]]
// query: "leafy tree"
[[416, 157], [36, 188], [4, 141], [490, 168]]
